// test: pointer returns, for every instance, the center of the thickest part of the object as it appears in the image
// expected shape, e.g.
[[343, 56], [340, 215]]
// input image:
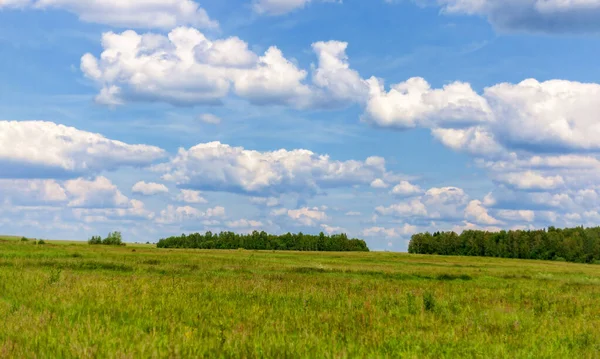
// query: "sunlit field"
[[72, 300]]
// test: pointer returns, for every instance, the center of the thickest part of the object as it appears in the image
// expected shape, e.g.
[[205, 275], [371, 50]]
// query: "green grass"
[[78, 301]]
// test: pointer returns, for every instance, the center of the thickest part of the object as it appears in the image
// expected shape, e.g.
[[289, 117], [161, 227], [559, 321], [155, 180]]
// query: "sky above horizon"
[[377, 118]]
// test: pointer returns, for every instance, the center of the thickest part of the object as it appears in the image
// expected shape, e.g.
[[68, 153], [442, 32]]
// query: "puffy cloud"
[[190, 196], [474, 140], [414, 103], [31, 192], [477, 213], [552, 16], [165, 14], [219, 167], [445, 203], [406, 230], [173, 214], [404, 209], [379, 183], [406, 189], [305, 216], [210, 119], [335, 75], [332, 229], [186, 68], [35, 149], [531, 181], [149, 189], [97, 193], [244, 223]]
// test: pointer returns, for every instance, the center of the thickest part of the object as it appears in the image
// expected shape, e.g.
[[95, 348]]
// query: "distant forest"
[[571, 244], [264, 241]]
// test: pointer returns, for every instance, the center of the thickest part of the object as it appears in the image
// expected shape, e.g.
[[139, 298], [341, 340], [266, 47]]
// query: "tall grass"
[[79, 301]]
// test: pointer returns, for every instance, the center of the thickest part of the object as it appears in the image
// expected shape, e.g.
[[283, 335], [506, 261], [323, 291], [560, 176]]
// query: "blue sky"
[[375, 118]]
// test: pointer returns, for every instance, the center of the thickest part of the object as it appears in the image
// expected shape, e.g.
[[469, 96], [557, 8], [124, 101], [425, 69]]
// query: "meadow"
[[72, 300]]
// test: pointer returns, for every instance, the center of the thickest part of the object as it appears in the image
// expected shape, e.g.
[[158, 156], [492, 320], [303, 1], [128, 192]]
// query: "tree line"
[[264, 241], [578, 244], [113, 239]]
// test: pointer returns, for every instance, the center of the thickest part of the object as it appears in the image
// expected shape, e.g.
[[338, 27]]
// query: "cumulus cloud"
[[186, 68], [551, 16], [190, 196], [379, 183], [244, 224], [531, 180], [305, 216], [332, 229], [414, 103], [477, 213], [31, 192], [406, 189], [218, 167], [445, 203], [210, 119], [149, 189], [406, 230], [34, 149], [164, 14], [97, 193], [172, 214]]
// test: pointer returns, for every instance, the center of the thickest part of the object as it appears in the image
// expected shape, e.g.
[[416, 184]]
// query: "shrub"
[[428, 302], [24, 239], [41, 241], [95, 240], [113, 239]]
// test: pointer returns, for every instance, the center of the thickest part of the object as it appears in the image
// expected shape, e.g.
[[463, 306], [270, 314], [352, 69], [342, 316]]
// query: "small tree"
[[95, 240], [113, 239]]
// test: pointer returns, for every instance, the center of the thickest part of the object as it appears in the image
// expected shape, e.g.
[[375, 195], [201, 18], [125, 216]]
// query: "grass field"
[[68, 300]]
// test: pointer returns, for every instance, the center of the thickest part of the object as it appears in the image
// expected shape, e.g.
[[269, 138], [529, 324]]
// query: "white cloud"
[[173, 214], [353, 214], [244, 223], [149, 189], [190, 196], [332, 229], [31, 192], [406, 189], [477, 213], [531, 180], [414, 103], [445, 203], [304, 216], [186, 68], [379, 183], [335, 75], [45, 150], [406, 230], [165, 14], [404, 209], [553, 16], [210, 119], [219, 167], [97, 193]]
